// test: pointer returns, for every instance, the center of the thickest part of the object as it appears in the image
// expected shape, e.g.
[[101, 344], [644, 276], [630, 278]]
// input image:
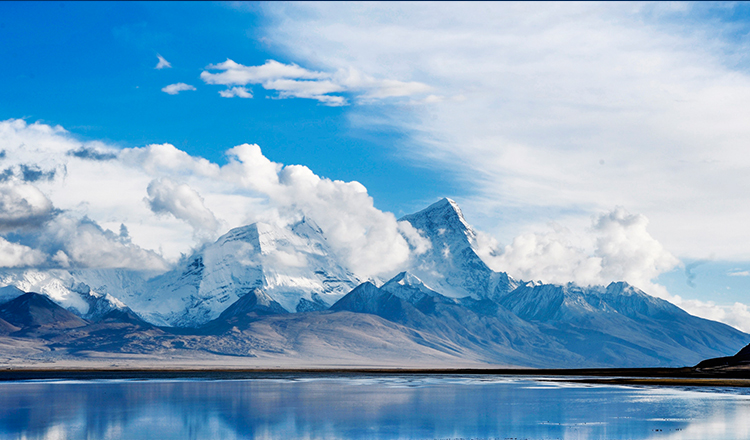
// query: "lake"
[[366, 407]]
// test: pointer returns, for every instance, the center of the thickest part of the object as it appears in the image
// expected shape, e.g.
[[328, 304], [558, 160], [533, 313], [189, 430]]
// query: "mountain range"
[[281, 292]]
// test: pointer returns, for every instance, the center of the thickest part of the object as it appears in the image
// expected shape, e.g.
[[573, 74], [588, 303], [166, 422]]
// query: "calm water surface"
[[366, 408]]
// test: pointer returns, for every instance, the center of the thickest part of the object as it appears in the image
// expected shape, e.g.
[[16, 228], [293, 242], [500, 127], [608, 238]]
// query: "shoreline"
[[685, 376]]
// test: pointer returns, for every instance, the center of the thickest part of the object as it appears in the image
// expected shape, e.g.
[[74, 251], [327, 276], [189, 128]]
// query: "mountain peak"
[[289, 262], [247, 233], [451, 265], [36, 310], [405, 279], [255, 302], [445, 211]]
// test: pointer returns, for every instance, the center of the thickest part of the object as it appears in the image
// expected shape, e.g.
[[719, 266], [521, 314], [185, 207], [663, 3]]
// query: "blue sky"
[[90, 68], [590, 142]]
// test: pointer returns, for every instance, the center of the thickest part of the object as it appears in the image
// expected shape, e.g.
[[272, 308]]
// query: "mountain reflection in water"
[[366, 408]]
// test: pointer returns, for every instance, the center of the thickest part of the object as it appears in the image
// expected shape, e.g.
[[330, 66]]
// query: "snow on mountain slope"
[[452, 266], [410, 288], [293, 265], [90, 293]]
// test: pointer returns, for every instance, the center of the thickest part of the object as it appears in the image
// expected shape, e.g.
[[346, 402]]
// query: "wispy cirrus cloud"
[[293, 81], [174, 89], [568, 109]]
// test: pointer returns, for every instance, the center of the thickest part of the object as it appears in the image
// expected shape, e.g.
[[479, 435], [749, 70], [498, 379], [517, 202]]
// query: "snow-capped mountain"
[[451, 265], [447, 301], [90, 293], [294, 266]]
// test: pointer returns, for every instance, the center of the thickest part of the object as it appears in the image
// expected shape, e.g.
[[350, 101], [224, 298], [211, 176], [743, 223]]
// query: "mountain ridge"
[[276, 280]]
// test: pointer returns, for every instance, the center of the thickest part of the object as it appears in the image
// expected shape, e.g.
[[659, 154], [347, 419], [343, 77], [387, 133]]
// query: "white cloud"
[[561, 111], [162, 64], [617, 247], [78, 213], [160, 159], [418, 243], [23, 206], [368, 240], [83, 243], [739, 273], [240, 92], [183, 202], [17, 255], [236, 74], [200, 196], [71, 242], [568, 109], [737, 314], [628, 251], [293, 81], [176, 88]]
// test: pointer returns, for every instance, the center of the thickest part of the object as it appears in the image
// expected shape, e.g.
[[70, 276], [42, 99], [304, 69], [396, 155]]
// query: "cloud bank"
[[617, 246], [169, 202]]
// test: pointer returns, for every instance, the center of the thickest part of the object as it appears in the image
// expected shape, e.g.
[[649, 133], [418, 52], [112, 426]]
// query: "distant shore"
[[611, 376]]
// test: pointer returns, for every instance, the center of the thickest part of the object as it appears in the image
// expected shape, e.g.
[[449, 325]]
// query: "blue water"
[[366, 408]]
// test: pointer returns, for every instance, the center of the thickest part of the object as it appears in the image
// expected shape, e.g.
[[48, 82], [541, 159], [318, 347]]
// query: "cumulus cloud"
[[199, 197], [232, 73], [68, 220], [183, 202], [56, 239], [370, 241], [618, 247], [23, 206], [239, 92], [17, 255], [162, 64], [627, 250], [293, 81], [176, 88], [82, 243]]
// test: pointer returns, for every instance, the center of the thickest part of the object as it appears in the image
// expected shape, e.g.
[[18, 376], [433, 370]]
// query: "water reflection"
[[364, 408]]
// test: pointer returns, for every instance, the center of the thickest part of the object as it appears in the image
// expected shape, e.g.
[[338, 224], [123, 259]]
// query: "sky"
[[587, 142]]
